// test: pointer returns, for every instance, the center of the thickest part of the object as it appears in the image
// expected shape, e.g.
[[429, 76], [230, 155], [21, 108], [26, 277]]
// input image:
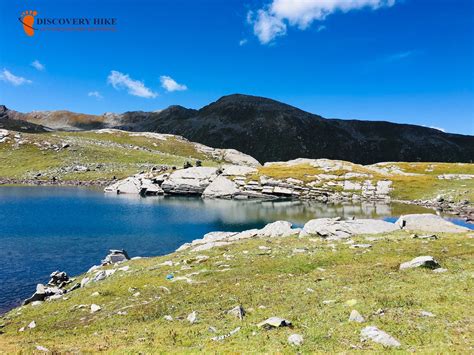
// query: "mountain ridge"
[[271, 130]]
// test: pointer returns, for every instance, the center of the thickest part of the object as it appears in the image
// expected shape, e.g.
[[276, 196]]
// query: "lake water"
[[43, 229]]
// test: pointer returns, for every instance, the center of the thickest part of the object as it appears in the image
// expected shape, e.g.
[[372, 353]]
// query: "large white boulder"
[[238, 158], [191, 181], [428, 222], [137, 184], [333, 228], [278, 229], [221, 187]]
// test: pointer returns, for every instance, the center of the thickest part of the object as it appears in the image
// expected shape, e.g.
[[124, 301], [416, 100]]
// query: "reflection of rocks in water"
[[260, 212]]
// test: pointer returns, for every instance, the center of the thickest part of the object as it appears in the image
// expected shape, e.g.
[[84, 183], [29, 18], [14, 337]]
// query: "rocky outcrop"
[[191, 181], [428, 223], [115, 256], [334, 228], [142, 184], [221, 187]]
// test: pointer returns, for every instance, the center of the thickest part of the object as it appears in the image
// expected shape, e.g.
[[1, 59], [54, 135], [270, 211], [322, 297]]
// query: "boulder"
[[420, 261], [59, 279], [137, 184], [274, 322], [237, 170], [295, 339], [43, 293], [238, 158], [191, 181], [278, 229], [356, 317], [334, 228], [221, 187], [237, 312], [428, 222], [115, 256], [378, 336]]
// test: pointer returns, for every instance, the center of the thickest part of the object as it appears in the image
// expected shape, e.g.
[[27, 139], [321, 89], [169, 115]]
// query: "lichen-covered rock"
[[428, 222]]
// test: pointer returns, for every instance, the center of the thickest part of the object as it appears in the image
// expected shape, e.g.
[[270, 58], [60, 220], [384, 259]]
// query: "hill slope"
[[272, 131]]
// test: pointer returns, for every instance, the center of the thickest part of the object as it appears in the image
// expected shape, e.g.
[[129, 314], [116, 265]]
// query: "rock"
[[237, 170], [42, 348], [278, 229], [95, 294], [59, 279], [191, 181], [137, 184], [427, 314], [420, 261], [95, 308], [295, 339], [440, 270], [222, 337], [274, 322], [43, 293], [237, 312], [192, 317], [427, 236], [115, 256], [221, 187], [168, 318], [360, 246], [235, 157], [428, 222], [333, 228], [32, 325], [378, 336], [356, 317], [85, 281]]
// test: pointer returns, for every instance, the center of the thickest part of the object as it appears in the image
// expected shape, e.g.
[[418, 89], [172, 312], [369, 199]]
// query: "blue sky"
[[407, 61]]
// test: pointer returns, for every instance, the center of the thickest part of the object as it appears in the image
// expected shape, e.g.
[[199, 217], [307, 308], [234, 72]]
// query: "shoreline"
[[461, 210]]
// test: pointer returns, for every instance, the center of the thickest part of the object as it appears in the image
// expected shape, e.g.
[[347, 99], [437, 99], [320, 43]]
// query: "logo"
[[28, 19], [62, 24]]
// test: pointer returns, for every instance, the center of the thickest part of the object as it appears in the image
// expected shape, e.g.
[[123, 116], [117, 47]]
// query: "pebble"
[[95, 308], [356, 317], [427, 314], [192, 317]]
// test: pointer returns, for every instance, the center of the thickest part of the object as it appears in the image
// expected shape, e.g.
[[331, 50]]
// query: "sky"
[[405, 61]]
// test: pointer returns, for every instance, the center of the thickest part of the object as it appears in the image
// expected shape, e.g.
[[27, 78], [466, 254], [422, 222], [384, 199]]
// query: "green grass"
[[107, 155], [267, 284]]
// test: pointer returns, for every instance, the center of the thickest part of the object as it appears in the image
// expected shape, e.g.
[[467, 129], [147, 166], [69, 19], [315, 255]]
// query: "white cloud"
[[321, 28], [243, 42], [271, 21], [169, 84], [134, 87], [95, 94], [400, 56], [7, 76], [37, 65]]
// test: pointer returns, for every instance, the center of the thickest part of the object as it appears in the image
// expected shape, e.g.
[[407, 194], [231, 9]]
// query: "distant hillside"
[[272, 131]]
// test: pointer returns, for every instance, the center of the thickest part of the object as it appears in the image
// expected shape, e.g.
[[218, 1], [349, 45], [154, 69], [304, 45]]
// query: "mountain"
[[273, 131]]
